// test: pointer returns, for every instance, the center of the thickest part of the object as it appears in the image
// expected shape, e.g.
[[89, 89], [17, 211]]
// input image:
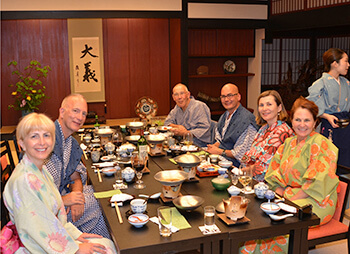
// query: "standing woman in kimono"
[[331, 93], [34, 203]]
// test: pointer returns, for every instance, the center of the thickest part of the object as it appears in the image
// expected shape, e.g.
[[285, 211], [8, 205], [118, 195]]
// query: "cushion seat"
[[331, 228]]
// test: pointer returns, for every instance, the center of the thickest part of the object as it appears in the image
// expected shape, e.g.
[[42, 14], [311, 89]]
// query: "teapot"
[[128, 174], [235, 207], [260, 189]]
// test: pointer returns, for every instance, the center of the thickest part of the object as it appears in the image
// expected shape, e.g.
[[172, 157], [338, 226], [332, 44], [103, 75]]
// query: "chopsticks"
[[118, 212], [99, 175]]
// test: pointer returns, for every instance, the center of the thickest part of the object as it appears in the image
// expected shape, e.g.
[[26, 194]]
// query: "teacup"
[[95, 155], [214, 158], [138, 205]]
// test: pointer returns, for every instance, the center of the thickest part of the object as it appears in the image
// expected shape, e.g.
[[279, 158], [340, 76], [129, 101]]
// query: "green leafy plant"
[[30, 91]]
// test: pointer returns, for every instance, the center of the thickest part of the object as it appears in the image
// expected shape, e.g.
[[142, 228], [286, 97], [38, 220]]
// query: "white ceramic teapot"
[[260, 189]]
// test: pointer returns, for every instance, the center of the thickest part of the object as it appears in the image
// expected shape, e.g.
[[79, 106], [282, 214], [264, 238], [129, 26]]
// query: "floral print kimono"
[[36, 208], [265, 145], [310, 166]]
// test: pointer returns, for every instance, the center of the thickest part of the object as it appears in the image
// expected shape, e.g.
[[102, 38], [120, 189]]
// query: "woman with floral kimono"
[[303, 171], [272, 116], [34, 203]]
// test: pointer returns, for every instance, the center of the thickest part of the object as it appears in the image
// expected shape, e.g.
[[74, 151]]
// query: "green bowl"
[[220, 183]]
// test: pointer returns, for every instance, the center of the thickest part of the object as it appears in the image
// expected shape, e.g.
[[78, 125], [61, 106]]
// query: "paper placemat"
[[173, 161], [178, 220], [106, 194]]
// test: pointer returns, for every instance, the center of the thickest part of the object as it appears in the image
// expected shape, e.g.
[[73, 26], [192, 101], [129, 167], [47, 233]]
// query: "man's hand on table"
[[213, 149], [75, 202], [178, 129]]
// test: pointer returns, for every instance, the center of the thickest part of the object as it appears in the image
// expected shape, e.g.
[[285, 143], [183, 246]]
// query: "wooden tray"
[[207, 173], [230, 222]]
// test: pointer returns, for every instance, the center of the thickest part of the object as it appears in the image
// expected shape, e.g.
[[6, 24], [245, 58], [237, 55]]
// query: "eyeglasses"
[[229, 96], [179, 94]]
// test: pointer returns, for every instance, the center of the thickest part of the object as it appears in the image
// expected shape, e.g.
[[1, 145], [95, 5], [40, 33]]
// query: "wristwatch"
[[223, 153]]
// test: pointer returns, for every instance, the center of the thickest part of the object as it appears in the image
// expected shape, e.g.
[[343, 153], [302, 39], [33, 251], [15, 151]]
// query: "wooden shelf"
[[222, 75]]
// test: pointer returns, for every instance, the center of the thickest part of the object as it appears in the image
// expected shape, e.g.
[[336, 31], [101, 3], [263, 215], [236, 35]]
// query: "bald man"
[[69, 173], [236, 128], [189, 115]]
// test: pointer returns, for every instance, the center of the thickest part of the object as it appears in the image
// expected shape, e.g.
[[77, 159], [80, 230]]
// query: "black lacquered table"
[[148, 240]]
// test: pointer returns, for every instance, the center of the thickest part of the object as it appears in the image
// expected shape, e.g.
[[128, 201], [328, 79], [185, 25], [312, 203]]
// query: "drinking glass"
[[234, 178], [188, 139], [165, 220], [209, 216], [245, 177], [119, 183], [138, 163]]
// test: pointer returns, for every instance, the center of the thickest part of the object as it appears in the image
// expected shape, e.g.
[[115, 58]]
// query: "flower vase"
[[26, 112]]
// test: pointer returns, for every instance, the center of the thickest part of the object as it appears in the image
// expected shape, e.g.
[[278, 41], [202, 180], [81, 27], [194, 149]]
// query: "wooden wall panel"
[[235, 42], [175, 55], [139, 52], [117, 70], [136, 64], [42, 40], [159, 61], [202, 42]]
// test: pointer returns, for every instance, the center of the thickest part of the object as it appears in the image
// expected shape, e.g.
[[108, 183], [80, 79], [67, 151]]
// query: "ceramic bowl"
[[138, 220], [233, 190], [220, 183], [138, 205], [109, 171], [225, 164], [270, 208], [222, 171], [188, 202]]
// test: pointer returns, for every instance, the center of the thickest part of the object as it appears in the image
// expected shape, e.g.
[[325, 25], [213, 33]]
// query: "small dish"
[[222, 171], [233, 190], [109, 171], [96, 140], [105, 158], [138, 220], [270, 208], [164, 128]]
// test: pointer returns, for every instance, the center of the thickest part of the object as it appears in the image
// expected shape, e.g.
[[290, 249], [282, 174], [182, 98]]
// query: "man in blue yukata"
[[189, 116], [69, 173], [236, 128]]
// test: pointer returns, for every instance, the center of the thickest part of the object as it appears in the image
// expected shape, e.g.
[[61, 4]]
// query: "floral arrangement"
[[30, 92]]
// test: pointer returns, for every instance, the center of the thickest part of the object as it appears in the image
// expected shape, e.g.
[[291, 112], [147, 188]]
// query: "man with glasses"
[[189, 116], [69, 173], [236, 128]]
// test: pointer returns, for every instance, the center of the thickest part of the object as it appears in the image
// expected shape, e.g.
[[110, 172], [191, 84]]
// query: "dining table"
[[129, 240]]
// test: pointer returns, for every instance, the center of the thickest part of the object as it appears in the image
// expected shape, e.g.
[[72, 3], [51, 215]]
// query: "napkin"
[[106, 194], [209, 230]]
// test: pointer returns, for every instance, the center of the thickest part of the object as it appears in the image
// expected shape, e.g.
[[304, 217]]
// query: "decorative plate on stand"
[[146, 107], [229, 67]]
